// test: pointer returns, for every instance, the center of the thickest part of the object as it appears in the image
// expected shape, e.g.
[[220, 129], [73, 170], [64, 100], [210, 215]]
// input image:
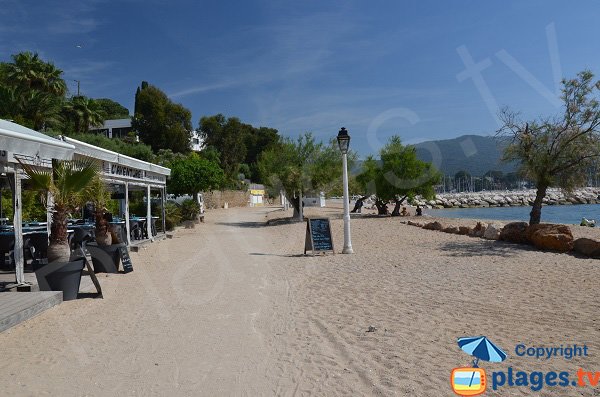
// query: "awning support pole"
[[149, 214], [127, 223], [18, 228], [164, 213]]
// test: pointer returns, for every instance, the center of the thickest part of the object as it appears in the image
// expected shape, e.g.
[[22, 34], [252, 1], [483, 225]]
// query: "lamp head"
[[343, 140]]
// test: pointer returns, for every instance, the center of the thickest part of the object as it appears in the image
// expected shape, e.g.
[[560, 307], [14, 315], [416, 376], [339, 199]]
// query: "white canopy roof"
[[96, 152], [29, 144]]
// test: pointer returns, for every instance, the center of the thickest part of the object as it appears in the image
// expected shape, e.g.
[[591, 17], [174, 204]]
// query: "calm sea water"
[[569, 214]]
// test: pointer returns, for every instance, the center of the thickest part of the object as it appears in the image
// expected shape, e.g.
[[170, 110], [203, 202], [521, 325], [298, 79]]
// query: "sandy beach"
[[232, 307]]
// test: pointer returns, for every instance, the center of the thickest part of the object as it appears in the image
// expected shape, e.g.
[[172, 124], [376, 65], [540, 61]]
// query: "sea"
[[566, 214]]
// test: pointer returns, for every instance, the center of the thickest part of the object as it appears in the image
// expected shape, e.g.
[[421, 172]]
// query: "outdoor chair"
[[7, 244], [80, 236], [136, 232], [144, 229], [36, 249]]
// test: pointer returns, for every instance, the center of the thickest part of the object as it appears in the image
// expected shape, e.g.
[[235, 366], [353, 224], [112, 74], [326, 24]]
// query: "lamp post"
[[344, 142]]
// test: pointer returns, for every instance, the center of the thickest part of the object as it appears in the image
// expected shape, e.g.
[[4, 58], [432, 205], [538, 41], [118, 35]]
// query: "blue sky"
[[378, 68]]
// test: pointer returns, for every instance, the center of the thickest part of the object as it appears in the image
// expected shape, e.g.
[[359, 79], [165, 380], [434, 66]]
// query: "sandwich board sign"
[[318, 236], [88, 263], [126, 259]]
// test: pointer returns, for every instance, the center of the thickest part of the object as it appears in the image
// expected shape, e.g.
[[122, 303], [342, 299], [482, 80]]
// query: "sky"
[[418, 69]]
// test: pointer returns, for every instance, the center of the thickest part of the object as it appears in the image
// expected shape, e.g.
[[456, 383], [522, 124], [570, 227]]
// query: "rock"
[[451, 230], [464, 230], [433, 226], [514, 232], [587, 247], [550, 236], [492, 231], [478, 230]]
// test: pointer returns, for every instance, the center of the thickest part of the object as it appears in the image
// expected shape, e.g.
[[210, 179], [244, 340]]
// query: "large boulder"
[[477, 231], [587, 247], [451, 229], [464, 230], [515, 232], [433, 226], [548, 236], [492, 231]]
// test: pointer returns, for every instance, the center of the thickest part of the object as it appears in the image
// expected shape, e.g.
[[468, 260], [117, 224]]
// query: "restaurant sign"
[[121, 171]]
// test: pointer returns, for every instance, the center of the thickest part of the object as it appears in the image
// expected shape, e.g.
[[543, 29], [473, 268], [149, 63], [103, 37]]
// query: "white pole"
[[127, 223], [18, 228], [347, 240], [149, 214]]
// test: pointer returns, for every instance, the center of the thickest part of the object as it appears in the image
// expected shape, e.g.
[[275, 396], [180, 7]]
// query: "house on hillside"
[[121, 128]]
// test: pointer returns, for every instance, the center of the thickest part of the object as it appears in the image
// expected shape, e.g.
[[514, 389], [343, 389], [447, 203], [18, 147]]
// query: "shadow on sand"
[[283, 256], [479, 247]]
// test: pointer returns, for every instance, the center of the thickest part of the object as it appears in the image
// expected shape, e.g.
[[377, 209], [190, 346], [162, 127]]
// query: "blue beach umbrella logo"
[[472, 381], [481, 348]]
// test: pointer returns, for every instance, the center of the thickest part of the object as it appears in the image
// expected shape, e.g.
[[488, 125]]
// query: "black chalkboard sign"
[[126, 260], [88, 263], [318, 235]]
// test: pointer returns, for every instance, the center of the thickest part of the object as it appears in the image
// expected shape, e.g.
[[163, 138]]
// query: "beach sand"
[[232, 307]]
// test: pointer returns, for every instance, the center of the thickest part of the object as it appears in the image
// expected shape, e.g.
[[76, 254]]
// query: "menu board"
[[88, 263], [318, 235], [126, 260]]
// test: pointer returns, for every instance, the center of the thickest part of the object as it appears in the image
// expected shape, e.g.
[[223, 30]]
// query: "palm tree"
[[30, 72], [32, 90], [41, 109], [84, 113], [67, 183]]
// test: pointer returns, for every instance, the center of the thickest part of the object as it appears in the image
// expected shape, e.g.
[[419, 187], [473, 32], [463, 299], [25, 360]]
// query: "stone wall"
[[233, 198], [510, 198]]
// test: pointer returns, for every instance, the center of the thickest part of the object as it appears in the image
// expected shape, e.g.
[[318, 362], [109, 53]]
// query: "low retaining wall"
[[510, 198], [233, 198]]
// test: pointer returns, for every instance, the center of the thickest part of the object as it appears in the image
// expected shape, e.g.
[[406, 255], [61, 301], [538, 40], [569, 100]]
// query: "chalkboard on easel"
[[126, 260], [318, 235], [88, 263]]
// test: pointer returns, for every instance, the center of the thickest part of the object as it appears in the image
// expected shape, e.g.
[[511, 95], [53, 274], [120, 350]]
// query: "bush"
[[190, 209], [172, 215]]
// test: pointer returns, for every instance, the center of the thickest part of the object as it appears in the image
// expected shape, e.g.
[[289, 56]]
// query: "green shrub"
[[190, 209], [172, 215]]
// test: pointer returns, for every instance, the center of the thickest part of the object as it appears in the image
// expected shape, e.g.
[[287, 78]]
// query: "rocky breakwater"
[[544, 236], [510, 198]]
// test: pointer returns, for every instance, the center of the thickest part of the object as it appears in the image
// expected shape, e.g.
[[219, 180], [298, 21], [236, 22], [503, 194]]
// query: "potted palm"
[[105, 251], [66, 182]]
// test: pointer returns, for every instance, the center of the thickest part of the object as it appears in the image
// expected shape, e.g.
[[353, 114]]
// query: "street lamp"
[[344, 142]]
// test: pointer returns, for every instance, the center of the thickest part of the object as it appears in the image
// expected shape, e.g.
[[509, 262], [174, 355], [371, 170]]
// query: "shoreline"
[[511, 198]]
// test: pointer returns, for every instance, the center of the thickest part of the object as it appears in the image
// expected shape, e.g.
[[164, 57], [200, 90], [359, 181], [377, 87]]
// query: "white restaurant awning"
[[120, 167], [25, 143]]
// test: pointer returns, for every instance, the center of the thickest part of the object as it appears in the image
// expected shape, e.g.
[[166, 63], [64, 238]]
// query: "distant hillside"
[[472, 153]]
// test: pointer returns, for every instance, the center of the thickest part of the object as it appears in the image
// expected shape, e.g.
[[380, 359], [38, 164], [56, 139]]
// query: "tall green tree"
[[111, 110], [29, 72], [227, 136], [193, 174], [557, 151], [83, 113], [161, 123], [397, 176], [31, 91], [298, 166]]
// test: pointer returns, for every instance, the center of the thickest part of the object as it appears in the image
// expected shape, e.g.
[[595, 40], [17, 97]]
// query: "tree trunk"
[[297, 204], [58, 229], [381, 207], [535, 215], [396, 211]]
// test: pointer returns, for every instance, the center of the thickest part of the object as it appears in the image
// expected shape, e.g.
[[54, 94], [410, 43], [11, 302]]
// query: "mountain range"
[[475, 154]]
